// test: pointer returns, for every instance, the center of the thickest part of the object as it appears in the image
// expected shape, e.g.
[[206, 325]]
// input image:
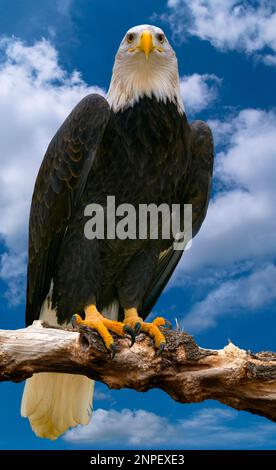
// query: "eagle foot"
[[96, 321], [151, 329]]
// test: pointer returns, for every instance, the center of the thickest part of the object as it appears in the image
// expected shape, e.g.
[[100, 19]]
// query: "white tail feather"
[[54, 402]]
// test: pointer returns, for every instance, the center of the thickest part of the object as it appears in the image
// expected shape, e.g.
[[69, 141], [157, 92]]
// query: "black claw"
[[112, 350], [137, 328], [131, 333], [161, 349], [168, 324], [74, 322]]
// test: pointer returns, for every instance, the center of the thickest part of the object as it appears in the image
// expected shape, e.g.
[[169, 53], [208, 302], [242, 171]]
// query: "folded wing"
[[196, 187], [58, 189]]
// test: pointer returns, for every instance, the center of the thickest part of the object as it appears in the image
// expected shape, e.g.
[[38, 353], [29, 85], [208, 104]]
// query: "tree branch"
[[185, 371]]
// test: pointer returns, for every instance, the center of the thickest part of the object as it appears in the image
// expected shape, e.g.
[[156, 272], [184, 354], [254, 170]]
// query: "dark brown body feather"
[[145, 154]]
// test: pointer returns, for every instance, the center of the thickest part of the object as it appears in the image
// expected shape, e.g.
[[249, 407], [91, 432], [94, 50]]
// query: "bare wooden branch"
[[185, 371]]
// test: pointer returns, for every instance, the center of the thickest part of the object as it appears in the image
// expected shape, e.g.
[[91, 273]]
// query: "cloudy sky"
[[53, 53]]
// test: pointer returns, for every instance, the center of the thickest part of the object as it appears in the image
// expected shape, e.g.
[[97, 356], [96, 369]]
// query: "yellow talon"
[[96, 321], [133, 320], [131, 325], [153, 331], [160, 321]]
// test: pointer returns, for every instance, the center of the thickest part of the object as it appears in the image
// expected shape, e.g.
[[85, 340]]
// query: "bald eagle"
[[137, 145]]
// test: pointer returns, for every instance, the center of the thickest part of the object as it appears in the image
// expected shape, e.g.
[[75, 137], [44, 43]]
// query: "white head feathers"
[[145, 65]]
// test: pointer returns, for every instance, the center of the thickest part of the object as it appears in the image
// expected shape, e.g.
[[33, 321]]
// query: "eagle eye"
[[130, 38], [160, 37]]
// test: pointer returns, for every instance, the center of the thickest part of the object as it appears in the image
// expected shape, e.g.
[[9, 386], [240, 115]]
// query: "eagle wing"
[[196, 190], [58, 189]]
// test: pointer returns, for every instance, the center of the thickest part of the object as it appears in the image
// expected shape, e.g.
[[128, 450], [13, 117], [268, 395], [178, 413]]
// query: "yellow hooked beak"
[[146, 43]]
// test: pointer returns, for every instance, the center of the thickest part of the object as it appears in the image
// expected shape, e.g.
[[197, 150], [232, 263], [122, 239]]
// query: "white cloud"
[[247, 294], [134, 427], [210, 427], [228, 24], [173, 3], [36, 94], [199, 91], [101, 394], [269, 59], [12, 271]]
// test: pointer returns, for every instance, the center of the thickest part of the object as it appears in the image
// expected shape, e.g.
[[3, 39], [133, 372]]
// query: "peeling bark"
[[188, 373]]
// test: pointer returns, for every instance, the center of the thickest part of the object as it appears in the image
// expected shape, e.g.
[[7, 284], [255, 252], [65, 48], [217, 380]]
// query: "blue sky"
[[51, 55]]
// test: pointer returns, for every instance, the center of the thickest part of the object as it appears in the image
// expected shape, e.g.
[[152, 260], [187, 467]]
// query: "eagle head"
[[145, 65]]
